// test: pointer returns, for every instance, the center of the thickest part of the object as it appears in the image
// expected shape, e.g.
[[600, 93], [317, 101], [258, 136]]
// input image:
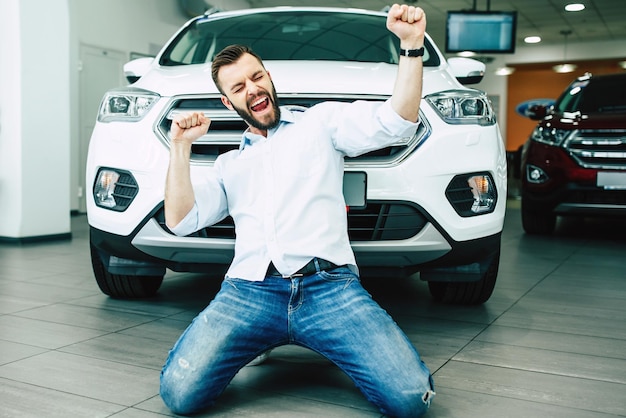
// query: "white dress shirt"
[[284, 192]]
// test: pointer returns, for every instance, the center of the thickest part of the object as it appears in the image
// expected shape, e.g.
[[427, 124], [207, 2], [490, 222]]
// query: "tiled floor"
[[551, 342]]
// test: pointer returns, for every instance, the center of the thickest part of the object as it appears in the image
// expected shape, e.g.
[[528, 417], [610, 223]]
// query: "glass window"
[[595, 95], [291, 35]]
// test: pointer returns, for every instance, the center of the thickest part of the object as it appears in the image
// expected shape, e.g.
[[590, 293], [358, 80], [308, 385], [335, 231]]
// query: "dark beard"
[[250, 120]]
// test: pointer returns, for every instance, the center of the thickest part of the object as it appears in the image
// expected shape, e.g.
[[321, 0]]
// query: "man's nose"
[[252, 88]]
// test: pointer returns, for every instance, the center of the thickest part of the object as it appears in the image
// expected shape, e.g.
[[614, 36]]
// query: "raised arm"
[[179, 195], [408, 23]]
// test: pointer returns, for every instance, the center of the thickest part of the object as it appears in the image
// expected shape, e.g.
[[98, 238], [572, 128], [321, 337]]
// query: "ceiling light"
[[574, 7], [532, 39], [564, 68], [505, 71]]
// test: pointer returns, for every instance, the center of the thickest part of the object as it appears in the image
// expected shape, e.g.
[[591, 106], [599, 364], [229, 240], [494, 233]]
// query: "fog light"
[[114, 189], [483, 192], [472, 194], [535, 174], [105, 188]]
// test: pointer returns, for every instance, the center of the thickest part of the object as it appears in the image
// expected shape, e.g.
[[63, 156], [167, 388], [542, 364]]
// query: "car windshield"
[[290, 35], [594, 95]]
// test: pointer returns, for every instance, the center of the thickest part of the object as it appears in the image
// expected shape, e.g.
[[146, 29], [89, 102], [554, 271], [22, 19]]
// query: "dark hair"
[[227, 56]]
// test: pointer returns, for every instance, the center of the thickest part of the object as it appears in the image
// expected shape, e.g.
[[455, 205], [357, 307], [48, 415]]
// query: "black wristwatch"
[[412, 52]]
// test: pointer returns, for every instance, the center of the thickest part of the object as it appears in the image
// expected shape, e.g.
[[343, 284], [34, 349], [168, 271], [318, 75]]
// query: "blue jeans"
[[328, 312]]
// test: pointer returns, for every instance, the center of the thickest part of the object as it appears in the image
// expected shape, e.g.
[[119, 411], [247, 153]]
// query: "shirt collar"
[[249, 138]]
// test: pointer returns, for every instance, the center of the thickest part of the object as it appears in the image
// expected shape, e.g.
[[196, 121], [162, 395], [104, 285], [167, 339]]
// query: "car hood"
[[576, 120], [303, 77]]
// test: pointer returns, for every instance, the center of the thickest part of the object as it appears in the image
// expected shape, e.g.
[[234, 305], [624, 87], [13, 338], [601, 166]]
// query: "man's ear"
[[227, 102]]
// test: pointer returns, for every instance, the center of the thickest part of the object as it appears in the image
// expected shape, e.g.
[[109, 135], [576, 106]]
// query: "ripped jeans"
[[328, 312]]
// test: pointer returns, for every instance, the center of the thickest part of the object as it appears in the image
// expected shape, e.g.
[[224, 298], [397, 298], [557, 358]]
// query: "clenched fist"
[[408, 23], [188, 127]]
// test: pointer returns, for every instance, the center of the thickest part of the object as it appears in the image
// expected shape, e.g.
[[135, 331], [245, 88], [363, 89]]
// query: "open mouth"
[[260, 104]]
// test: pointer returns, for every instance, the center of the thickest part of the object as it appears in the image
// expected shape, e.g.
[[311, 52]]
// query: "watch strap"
[[412, 52]]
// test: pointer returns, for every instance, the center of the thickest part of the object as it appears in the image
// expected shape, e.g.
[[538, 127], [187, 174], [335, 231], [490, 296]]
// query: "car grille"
[[596, 197], [378, 221], [602, 149], [227, 127]]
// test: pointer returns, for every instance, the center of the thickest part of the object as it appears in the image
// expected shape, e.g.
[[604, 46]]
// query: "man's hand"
[[188, 127], [408, 23]]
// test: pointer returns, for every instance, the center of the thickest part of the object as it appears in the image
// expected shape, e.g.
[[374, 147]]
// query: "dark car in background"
[[574, 162]]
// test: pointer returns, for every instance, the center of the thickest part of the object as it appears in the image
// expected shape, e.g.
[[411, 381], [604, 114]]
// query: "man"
[[293, 279]]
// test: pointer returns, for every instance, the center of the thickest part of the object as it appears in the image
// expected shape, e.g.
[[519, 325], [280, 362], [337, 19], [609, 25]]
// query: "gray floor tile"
[[543, 388], [545, 361], [522, 317], [555, 341], [84, 317], [126, 349], [32, 401], [108, 381], [42, 334], [10, 352], [471, 404]]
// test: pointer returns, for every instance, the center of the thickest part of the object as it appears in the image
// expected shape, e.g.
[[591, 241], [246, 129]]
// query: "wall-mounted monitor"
[[481, 32]]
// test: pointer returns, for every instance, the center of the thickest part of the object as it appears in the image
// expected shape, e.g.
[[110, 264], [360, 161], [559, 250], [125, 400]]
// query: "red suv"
[[574, 162]]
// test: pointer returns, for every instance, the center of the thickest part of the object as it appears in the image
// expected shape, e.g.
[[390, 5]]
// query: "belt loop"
[[317, 264]]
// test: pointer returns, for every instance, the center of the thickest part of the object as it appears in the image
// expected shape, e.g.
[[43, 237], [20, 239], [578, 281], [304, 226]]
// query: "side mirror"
[[135, 69], [467, 70], [537, 112]]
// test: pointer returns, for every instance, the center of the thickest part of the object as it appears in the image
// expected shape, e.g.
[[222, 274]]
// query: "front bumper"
[[211, 250], [568, 188]]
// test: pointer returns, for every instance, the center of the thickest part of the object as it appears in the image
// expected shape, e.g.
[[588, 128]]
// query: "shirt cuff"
[[394, 121]]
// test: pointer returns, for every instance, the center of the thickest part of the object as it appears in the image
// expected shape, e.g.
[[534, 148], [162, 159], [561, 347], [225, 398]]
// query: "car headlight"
[[130, 104], [459, 107], [549, 135]]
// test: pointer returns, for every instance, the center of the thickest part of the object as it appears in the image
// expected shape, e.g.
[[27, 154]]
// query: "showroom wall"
[[34, 123]]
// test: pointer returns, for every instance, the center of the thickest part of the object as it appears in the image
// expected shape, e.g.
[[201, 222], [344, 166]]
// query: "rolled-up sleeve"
[[210, 206], [364, 126]]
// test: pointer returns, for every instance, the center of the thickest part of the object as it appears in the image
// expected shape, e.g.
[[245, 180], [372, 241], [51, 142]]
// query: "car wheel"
[[122, 285], [467, 293], [537, 222]]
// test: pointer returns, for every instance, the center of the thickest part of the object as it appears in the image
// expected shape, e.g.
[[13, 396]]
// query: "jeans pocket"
[[340, 274], [233, 282]]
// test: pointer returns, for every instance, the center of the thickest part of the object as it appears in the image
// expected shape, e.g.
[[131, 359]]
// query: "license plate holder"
[[611, 180], [355, 188]]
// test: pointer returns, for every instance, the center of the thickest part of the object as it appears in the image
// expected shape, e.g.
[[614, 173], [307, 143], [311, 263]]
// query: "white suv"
[[432, 203]]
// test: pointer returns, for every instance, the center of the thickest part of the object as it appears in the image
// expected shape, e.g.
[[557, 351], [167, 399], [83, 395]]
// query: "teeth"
[[261, 100]]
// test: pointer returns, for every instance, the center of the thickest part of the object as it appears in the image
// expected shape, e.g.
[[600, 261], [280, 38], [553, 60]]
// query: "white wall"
[[10, 115], [34, 127]]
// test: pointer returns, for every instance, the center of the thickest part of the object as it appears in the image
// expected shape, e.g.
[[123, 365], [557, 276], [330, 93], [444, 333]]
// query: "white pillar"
[[34, 120]]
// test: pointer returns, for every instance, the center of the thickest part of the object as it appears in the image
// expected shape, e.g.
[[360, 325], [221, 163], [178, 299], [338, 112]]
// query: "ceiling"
[[602, 20]]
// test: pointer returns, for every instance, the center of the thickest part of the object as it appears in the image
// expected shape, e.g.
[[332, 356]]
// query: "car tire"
[[121, 285], [537, 222], [467, 293]]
